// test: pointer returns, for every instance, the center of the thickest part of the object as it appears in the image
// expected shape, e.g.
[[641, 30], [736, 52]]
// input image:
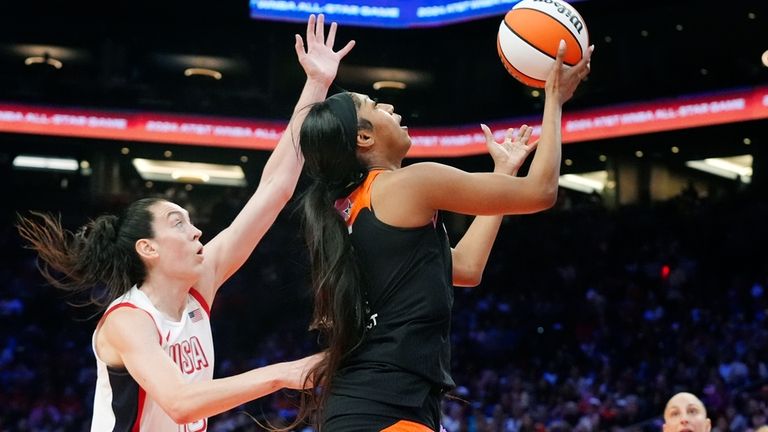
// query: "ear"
[[146, 248], [365, 138], [708, 426]]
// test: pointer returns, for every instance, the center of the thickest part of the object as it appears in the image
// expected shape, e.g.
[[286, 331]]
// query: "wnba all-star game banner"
[[444, 141], [381, 13]]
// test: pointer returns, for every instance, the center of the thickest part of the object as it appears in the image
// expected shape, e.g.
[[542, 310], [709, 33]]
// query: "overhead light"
[[45, 163], [190, 172], [734, 168], [213, 73], [589, 182], [364, 76], [43, 59], [764, 58], [398, 85], [187, 176]]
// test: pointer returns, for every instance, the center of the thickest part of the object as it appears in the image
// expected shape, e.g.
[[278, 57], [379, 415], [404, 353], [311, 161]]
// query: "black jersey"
[[408, 285]]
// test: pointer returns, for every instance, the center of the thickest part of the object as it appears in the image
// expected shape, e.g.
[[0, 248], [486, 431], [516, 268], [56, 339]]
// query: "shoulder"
[[425, 173], [124, 328], [126, 323]]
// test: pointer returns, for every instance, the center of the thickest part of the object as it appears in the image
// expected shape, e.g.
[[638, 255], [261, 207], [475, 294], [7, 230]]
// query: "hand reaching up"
[[319, 60], [562, 82], [509, 155]]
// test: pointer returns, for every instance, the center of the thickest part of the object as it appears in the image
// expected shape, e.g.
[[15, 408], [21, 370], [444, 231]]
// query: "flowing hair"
[[332, 165], [100, 253]]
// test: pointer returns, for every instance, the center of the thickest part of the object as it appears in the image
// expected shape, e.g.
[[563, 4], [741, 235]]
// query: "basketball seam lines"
[[501, 52], [581, 53]]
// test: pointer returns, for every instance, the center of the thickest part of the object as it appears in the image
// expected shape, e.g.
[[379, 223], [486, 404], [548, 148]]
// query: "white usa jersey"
[[120, 404]]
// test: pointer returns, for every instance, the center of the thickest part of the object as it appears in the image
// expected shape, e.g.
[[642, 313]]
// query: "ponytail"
[[99, 253], [328, 142]]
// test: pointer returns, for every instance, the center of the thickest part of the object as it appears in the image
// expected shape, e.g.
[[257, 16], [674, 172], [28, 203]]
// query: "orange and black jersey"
[[408, 286]]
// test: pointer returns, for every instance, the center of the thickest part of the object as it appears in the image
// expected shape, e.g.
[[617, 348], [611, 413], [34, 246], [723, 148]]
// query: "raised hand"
[[319, 60], [509, 155], [562, 82]]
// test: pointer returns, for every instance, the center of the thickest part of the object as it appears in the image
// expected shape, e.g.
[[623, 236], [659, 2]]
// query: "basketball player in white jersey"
[[153, 345]]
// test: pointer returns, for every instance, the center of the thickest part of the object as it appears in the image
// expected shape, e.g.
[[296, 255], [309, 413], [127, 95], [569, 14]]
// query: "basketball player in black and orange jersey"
[[382, 266], [153, 344]]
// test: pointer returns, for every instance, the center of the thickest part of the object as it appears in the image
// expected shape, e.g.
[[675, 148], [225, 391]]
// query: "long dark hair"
[[328, 142], [100, 253]]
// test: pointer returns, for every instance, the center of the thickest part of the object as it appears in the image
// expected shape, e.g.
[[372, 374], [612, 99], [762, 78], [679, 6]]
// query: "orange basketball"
[[530, 34]]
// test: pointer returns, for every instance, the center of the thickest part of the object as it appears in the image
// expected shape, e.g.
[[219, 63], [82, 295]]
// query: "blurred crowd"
[[587, 319]]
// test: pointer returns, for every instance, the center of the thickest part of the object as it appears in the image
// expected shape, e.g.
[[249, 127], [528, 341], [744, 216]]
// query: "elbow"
[[540, 193], [468, 278], [473, 281], [181, 413], [280, 190], [545, 198], [549, 197], [285, 193]]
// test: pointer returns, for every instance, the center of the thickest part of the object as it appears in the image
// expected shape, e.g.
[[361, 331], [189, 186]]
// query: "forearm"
[[286, 160], [470, 255], [278, 182], [199, 400], [545, 166]]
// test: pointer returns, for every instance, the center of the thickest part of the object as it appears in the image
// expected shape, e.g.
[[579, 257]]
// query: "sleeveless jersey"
[[408, 286], [120, 404]]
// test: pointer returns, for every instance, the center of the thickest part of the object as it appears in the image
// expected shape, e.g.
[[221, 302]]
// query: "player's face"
[[179, 252], [685, 412], [387, 129]]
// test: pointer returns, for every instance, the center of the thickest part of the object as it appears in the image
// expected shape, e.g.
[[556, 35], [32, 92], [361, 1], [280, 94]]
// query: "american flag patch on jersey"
[[196, 315]]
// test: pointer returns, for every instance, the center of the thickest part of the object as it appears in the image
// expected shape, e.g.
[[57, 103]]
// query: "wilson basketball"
[[529, 36]]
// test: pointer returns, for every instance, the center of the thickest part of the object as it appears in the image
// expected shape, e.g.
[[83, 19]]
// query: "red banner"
[[594, 124]]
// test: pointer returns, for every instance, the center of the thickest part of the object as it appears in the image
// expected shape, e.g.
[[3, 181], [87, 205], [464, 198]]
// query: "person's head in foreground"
[[685, 412]]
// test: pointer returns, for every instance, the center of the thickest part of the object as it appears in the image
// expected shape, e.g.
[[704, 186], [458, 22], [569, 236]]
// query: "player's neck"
[[168, 296]]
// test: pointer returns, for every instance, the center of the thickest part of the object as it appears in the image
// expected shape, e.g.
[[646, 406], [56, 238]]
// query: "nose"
[[197, 233], [387, 107]]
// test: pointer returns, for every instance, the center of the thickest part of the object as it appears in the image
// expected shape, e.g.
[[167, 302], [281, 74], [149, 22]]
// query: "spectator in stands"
[[685, 412]]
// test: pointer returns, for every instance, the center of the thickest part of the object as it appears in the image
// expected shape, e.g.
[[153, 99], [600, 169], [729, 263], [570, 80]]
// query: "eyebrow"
[[690, 405], [175, 212]]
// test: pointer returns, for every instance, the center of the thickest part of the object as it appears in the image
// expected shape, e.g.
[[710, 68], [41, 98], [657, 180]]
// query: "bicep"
[[135, 338], [442, 187]]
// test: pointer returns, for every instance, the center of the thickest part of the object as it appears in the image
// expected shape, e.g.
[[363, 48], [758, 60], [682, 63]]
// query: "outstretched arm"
[[425, 187], [131, 338], [471, 253], [230, 248]]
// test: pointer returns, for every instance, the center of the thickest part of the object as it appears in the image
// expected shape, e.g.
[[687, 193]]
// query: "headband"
[[343, 108]]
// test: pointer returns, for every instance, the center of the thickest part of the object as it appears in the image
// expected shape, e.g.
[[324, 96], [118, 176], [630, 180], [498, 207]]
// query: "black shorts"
[[351, 414]]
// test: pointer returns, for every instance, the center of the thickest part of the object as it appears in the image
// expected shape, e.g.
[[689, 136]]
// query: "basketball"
[[529, 36]]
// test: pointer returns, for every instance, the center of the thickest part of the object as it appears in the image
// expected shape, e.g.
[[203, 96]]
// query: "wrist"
[[319, 82]]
